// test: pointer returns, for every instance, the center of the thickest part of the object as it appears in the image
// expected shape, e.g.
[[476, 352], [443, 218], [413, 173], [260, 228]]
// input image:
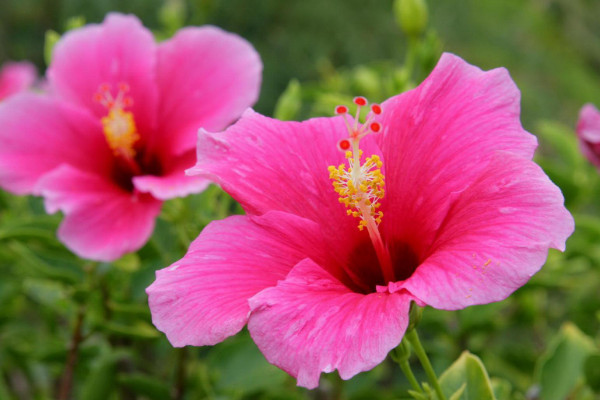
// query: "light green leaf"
[[561, 366], [137, 329], [458, 394], [502, 389], [467, 371], [289, 103]]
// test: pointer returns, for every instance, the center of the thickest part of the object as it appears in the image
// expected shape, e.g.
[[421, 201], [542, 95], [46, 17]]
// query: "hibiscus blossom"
[[435, 200], [16, 77], [588, 132], [114, 136]]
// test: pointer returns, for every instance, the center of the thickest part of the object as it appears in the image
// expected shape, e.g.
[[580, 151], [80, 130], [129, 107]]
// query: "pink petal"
[[120, 50], [102, 222], [267, 164], [311, 323], [16, 77], [203, 298], [38, 134], [174, 182], [495, 237], [207, 77], [588, 132], [440, 136]]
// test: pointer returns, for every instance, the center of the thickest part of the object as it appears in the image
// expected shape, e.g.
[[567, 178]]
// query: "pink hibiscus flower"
[[588, 133], [436, 201], [113, 138], [16, 77]]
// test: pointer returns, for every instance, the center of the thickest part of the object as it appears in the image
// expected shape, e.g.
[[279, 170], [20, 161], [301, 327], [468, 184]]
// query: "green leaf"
[[144, 385], [136, 330], [467, 379], [4, 394], [240, 368], [561, 366], [502, 389], [591, 368], [289, 103], [458, 394], [100, 382], [562, 139]]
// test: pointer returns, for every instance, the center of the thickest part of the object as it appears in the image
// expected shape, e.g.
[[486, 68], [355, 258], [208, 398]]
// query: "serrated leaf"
[[467, 371], [561, 366]]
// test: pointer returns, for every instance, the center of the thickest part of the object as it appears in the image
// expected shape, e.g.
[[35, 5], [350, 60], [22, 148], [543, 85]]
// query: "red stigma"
[[127, 101], [376, 108], [98, 97], [123, 87], [360, 101], [341, 110], [105, 87], [344, 145], [375, 126]]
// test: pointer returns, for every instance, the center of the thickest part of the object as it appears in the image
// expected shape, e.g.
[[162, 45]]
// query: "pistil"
[[119, 125], [361, 187]]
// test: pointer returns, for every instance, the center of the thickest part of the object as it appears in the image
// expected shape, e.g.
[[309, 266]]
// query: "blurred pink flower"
[[456, 213], [16, 77], [112, 139], [588, 132]]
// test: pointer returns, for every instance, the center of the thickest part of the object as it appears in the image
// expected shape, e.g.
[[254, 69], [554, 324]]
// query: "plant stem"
[[413, 338], [76, 338], [181, 373], [405, 366]]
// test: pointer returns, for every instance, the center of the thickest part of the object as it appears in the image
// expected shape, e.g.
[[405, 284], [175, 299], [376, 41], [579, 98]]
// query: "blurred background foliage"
[[542, 342]]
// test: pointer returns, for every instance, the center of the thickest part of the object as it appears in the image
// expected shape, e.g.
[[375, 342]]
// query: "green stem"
[[405, 366], [181, 373], [413, 338]]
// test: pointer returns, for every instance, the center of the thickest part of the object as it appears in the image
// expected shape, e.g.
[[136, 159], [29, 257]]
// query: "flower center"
[[118, 125], [361, 185]]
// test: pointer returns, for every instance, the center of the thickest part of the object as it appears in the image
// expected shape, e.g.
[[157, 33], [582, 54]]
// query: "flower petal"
[[174, 182], [39, 133], [311, 323], [16, 77], [203, 298], [588, 132], [207, 77], [120, 50], [495, 237], [102, 222], [438, 138], [267, 164]]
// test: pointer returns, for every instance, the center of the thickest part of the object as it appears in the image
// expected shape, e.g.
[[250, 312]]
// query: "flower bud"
[[416, 313], [411, 15]]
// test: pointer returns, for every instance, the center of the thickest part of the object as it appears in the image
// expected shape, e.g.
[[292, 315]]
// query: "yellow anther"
[[120, 132]]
